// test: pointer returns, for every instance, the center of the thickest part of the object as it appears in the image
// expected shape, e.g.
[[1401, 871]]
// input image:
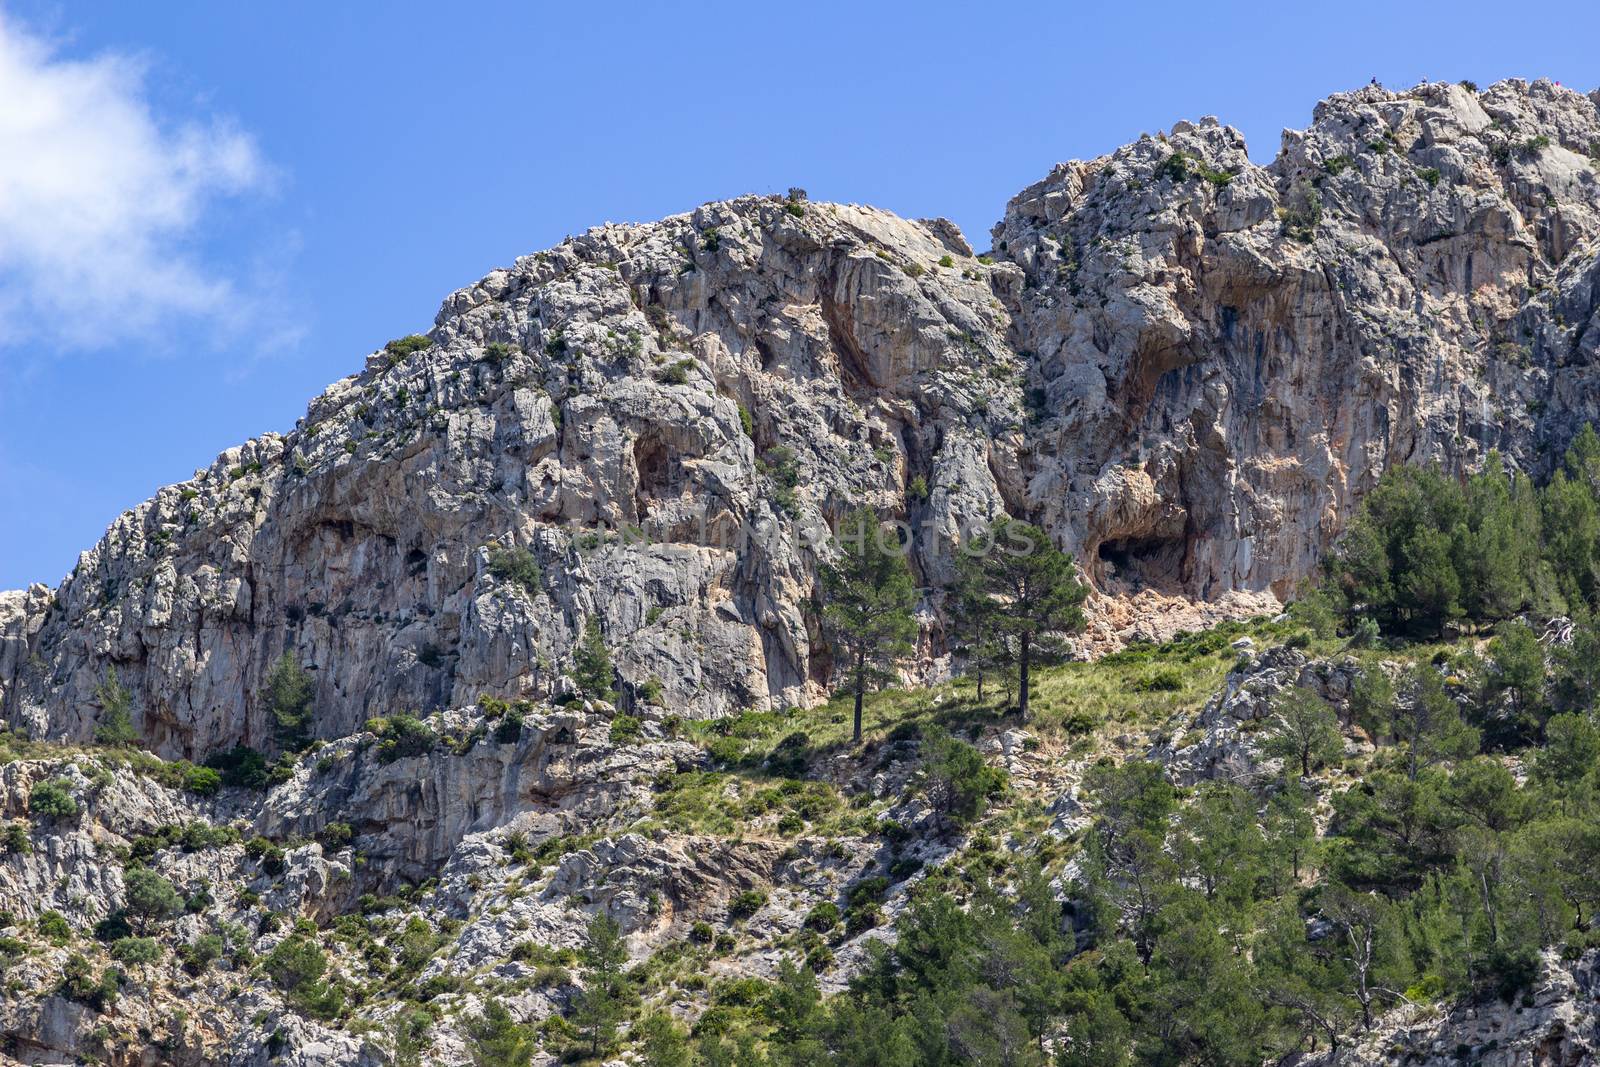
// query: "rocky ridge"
[[1185, 366]]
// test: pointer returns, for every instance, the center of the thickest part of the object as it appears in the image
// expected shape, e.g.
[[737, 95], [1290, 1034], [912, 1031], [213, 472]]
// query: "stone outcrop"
[[1186, 366], [1223, 741], [1556, 1025], [1230, 354]]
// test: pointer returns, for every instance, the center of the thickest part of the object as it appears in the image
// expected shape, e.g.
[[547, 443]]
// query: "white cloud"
[[100, 201]]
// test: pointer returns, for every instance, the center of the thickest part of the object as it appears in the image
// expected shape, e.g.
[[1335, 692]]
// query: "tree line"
[[1428, 553], [1015, 595]]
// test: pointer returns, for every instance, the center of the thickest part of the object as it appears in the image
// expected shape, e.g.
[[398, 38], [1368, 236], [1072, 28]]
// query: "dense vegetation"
[[1428, 552], [1423, 838], [1214, 924]]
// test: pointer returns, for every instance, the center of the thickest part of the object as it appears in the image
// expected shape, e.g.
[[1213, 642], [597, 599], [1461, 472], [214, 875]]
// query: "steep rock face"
[[561, 776], [1229, 362], [1553, 1026], [588, 405], [1188, 377]]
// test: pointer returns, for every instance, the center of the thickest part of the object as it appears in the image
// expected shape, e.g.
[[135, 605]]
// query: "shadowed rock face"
[[1189, 379]]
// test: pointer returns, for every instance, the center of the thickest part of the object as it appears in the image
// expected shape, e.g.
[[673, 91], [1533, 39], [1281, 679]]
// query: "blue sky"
[[208, 212]]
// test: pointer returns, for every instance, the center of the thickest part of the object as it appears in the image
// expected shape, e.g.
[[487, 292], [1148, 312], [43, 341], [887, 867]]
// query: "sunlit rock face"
[[1188, 368]]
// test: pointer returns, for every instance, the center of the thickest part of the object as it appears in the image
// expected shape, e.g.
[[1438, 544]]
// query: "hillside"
[[306, 761]]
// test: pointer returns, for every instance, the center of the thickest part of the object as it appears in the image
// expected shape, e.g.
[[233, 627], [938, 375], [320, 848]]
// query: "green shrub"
[[241, 767], [15, 840], [747, 903], [116, 722], [402, 347], [113, 927], [861, 916], [273, 859], [1181, 166], [136, 951], [53, 926], [651, 692], [678, 373], [1165, 680], [624, 729], [201, 953], [508, 731], [201, 780], [402, 737], [78, 982], [52, 800], [12, 949], [516, 565], [823, 917], [1301, 212], [791, 756], [956, 779]]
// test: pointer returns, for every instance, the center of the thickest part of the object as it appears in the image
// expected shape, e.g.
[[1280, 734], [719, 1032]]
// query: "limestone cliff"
[[1187, 367]]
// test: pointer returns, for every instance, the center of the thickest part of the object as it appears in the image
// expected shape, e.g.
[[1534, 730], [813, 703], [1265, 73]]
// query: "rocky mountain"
[[1186, 367]]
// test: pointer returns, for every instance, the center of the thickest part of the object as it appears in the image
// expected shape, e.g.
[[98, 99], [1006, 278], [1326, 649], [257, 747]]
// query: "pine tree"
[[1290, 827], [1397, 562], [599, 1005], [149, 898], [1583, 459], [289, 692], [1218, 843], [1430, 587], [974, 630], [1304, 730], [1497, 544], [591, 664], [1575, 666], [1518, 676], [1029, 587], [870, 599], [1372, 703], [116, 722], [1571, 524], [662, 1042], [1571, 749], [495, 1039], [1428, 722], [1367, 943]]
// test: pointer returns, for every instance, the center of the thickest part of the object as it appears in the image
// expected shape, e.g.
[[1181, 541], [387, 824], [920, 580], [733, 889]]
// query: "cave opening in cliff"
[[1131, 564], [653, 468]]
